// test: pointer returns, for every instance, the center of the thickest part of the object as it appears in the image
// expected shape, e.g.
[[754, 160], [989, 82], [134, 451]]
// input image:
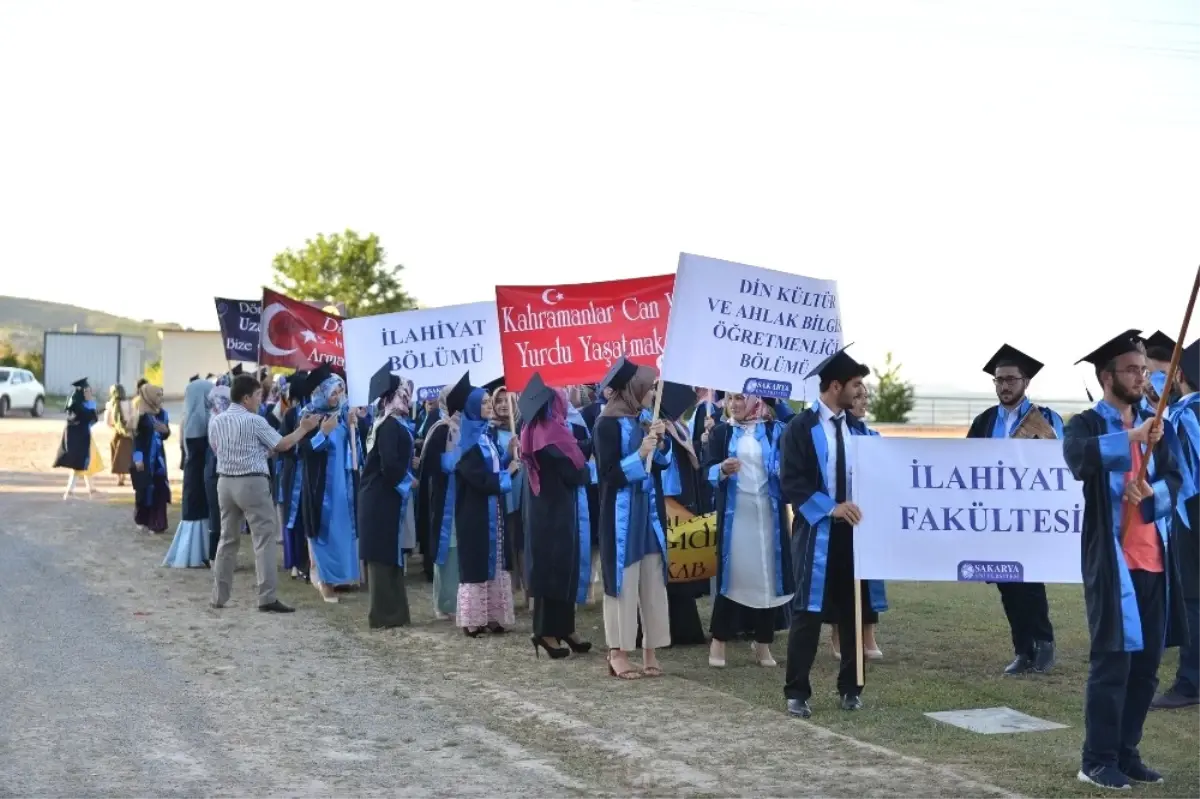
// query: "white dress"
[[752, 544]]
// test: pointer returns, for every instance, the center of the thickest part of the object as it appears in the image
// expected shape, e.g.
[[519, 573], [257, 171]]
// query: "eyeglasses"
[[1133, 371], [1007, 381]]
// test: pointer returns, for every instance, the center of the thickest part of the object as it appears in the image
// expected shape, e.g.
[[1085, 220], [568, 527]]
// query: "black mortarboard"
[[676, 400], [840, 367], [382, 382], [314, 379], [619, 374], [81, 383], [536, 396], [235, 371], [1011, 356], [209, 376], [194, 378], [1160, 340], [297, 384], [456, 400], [491, 386], [1189, 364], [1129, 341]]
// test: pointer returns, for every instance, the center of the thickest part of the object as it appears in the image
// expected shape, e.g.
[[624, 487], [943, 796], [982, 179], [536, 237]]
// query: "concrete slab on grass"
[[995, 720]]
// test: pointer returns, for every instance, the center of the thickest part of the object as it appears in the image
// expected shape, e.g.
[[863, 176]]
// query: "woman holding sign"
[[632, 540], [754, 565]]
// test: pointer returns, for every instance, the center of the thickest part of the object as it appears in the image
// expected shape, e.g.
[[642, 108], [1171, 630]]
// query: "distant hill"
[[23, 321]]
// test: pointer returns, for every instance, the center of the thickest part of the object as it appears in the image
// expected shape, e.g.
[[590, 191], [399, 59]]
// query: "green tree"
[[892, 399], [343, 267]]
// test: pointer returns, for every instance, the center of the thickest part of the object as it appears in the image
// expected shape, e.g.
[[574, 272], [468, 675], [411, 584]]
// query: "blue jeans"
[[1187, 678]]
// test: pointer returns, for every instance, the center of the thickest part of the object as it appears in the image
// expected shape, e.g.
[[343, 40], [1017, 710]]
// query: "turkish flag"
[[295, 334], [572, 333]]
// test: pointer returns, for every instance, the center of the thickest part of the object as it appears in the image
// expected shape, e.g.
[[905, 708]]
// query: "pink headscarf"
[[548, 429], [754, 411]]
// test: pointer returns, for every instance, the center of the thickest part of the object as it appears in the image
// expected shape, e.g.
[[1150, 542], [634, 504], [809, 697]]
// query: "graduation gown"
[[433, 500], [1185, 419], [75, 448], [705, 497], [313, 459], [1096, 448], [804, 453], [722, 444], [479, 489], [148, 448], [383, 490], [632, 507], [557, 534], [989, 425]]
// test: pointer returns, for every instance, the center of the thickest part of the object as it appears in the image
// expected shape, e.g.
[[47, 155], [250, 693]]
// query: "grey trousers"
[[249, 499]]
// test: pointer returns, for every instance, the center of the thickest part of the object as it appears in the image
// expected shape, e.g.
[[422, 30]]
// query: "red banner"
[[572, 333], [298, 335]]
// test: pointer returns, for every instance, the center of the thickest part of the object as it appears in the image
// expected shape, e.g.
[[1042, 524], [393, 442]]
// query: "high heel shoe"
[[554, 652], [579, 647]]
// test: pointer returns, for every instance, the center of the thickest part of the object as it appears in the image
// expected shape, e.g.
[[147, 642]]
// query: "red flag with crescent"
[[298, 335], [572, 333]]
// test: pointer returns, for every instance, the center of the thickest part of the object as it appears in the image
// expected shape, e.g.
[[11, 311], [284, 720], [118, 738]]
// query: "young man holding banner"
[[1025, 604], [815, 478], [1131, 584]]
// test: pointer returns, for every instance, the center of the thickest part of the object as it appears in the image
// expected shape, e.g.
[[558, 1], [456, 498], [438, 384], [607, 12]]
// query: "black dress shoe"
[[1173, 700], [1043, 656], [850, 702], [1021, 665], [276, 607], [799, 708], [579, 647]]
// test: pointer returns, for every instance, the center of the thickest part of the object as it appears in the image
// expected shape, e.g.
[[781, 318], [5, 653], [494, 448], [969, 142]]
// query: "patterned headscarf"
[[753, 413], [322, 396], [225, 380], [219, 399], [396, 405]]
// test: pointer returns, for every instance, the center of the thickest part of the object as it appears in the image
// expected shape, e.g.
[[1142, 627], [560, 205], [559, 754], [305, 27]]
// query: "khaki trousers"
[[643, 590], [249, 499]]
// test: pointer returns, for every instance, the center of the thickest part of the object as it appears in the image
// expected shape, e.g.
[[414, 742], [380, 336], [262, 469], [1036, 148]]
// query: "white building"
[[190, 352]]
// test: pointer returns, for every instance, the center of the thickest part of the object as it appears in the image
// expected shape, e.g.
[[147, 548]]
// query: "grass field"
[[944, 645]]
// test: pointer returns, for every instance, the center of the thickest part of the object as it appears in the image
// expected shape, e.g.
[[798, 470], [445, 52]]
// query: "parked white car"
[[20, 391]]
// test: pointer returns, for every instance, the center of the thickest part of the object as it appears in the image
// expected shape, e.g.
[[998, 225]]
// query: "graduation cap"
[[1011, 356], [235, 371], [314, 379], [1189, 364], [456, 399], [194, 378], [383, 382], [1129, 341], [840, 367], [1159, 340], [81, 383], [536, 396], [619, 374], [676, 400], [492, 385], [296, 384], [209, 376]]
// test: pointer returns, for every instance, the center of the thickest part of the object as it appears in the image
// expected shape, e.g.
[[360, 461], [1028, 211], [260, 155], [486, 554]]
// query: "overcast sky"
[[969, 172]]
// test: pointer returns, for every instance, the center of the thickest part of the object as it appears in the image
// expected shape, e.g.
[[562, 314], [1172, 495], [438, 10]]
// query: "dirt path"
[[116, 678]]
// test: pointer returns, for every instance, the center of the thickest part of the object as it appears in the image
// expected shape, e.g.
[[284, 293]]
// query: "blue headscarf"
[[321, 400], [473, 428]]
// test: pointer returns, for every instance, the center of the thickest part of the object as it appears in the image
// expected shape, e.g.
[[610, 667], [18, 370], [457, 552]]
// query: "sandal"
[[631, 674], [652, 671]]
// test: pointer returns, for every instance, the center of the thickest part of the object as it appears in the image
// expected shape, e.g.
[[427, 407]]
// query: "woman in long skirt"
[[382, 500], [116, 416], [557, 532], [435, 489], [754, 569], [151, 428], [481, 477], [77, 451]]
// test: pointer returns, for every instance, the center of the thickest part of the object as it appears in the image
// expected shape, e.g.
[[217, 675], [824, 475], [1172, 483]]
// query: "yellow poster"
[[691, 544]]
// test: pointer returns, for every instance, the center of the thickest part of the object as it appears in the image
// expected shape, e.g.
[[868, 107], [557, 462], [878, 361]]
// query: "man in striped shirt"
[[242, 441]]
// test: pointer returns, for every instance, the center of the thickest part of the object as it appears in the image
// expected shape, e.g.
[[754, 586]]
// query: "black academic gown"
[[1188, 529], [431, 496], [551, 520], [478, 511], [704, 492], [76, 444], [143, 440], [312, 482], [1097, 453], [380, 505]]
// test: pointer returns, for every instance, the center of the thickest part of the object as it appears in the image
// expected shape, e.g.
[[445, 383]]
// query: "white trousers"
[[644, 590]]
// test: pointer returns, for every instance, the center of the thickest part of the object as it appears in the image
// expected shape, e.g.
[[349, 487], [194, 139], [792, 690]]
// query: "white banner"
[[432, 347], [742, 328], [965, 509]]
